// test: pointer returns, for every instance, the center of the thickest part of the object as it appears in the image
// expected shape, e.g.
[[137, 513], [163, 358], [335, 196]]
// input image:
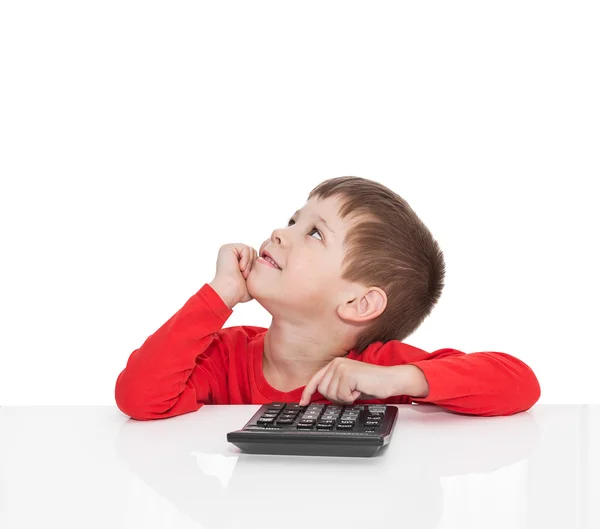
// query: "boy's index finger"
[[306, 394], [311, 387]]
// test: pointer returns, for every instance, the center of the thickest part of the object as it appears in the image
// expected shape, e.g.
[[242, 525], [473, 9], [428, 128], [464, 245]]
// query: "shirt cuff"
[[214, 302]]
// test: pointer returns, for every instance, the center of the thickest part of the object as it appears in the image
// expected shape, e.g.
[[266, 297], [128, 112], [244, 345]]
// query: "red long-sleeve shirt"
[[191, 361]]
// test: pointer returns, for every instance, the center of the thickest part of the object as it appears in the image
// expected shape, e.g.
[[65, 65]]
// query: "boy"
[[352, 275]]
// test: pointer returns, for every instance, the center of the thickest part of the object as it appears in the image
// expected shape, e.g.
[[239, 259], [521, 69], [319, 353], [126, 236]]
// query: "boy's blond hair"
[[387, 246]]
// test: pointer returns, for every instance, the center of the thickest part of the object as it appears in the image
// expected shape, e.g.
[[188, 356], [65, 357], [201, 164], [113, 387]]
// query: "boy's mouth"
[[268, 262], [269, 259]]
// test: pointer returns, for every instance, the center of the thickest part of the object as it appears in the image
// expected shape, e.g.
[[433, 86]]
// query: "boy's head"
[[369, 270]]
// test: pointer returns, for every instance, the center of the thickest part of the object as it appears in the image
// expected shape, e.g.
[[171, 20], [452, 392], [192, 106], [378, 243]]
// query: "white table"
[[88, 467]]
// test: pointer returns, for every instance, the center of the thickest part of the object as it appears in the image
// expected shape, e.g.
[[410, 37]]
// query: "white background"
[[138, 137]]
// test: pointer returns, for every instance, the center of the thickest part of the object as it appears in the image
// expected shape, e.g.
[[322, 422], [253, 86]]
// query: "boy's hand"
[[234, 262], [344, 380]]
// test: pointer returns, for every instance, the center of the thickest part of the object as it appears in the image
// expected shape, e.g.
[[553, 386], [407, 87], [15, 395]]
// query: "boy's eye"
[[314, 229]]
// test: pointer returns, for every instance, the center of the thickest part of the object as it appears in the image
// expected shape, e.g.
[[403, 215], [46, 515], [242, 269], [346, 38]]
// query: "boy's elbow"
[[529, 395], [129, 409], [535, 390], [528, 392], [143, 405], [128, 404], [137, 410]]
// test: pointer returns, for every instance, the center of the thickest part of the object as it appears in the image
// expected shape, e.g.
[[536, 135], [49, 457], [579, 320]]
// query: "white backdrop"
[[138, 137]]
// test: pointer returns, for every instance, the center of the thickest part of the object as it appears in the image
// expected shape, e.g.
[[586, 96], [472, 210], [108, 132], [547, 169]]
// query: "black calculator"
[[317, 429]]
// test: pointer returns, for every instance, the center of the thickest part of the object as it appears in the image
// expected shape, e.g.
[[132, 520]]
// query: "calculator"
[[317, 429]]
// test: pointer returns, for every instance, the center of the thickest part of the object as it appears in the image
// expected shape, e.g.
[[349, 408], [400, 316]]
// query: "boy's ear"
[[367, 305]]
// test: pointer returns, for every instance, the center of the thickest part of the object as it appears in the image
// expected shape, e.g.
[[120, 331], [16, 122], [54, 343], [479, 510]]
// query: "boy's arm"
[[157, 382], [483, 383]]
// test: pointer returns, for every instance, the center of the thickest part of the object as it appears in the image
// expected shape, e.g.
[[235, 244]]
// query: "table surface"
[[94, 467]]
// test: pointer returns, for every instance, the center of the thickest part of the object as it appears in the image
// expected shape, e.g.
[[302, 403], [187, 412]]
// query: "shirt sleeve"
[[482, 383], [157, 383]]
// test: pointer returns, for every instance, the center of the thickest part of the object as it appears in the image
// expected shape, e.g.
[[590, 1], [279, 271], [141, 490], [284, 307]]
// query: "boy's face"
[[310, 254]]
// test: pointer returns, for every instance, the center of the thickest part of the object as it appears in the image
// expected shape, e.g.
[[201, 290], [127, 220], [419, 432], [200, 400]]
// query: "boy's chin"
[[264, 302], [259, 293]]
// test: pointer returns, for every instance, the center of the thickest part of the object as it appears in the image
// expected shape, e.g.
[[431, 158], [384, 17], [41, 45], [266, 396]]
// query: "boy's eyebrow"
[[320, 218]]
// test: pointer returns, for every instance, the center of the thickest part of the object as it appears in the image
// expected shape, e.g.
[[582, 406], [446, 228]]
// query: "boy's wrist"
[[409, 380], [226, 293]]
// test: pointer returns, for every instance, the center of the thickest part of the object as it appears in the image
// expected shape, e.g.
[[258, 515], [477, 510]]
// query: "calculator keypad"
[[323, 417]]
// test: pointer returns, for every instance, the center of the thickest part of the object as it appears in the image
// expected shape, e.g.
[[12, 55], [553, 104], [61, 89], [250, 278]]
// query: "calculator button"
[[342, 426], [295, 406], [284, 421], [321, 426], [265, 421], [277, 405]]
